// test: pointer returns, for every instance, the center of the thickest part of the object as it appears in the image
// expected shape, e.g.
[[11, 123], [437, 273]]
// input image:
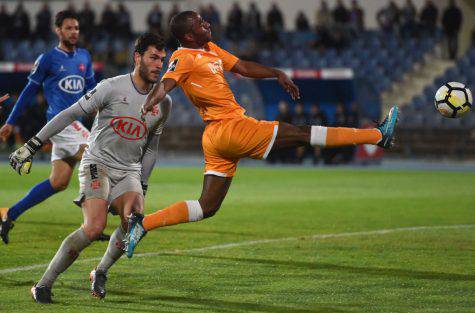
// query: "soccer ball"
[[453, 100]]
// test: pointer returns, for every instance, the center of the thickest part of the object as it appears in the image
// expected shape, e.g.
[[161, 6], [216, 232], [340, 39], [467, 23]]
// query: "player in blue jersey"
[[66, 74]]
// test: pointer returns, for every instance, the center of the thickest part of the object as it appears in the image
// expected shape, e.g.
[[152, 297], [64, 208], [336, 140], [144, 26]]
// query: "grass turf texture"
[[404, 271]]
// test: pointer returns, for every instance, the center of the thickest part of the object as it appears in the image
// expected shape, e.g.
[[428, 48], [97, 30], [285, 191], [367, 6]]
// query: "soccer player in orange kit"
[[197, 67]]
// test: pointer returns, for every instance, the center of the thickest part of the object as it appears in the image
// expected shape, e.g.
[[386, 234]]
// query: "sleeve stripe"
[[34, 81], [83, 108]]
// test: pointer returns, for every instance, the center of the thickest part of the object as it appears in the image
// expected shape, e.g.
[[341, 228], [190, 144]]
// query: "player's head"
[[189, 27], [67, 28], [149, 55]]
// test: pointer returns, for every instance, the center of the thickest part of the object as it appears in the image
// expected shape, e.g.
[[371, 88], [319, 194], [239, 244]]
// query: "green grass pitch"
[[402, 270]]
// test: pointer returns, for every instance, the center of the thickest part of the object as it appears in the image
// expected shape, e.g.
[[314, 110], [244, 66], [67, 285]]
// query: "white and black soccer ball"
[[453, 100]]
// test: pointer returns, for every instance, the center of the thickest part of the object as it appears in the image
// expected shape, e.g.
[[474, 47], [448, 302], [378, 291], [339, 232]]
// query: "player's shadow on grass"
[[192, 303], [345, 268]]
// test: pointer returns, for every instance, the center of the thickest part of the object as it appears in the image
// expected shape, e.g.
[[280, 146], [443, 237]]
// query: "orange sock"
[[180, 212], [342, 136]]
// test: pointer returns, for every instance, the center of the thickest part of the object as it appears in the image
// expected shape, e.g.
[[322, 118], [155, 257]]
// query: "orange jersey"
[[199, 72]]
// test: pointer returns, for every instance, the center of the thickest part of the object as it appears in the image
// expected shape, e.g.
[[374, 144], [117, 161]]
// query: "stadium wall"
[[140, 8]]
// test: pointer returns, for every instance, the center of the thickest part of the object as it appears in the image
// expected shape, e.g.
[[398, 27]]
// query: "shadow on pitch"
[[350, 269], [192, 303]]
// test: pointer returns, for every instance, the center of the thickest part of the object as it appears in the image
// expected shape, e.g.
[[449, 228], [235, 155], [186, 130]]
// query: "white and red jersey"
[[119, 134]]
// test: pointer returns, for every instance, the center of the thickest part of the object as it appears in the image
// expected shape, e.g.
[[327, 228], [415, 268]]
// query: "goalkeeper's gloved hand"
[[144, 188], [21, 159]]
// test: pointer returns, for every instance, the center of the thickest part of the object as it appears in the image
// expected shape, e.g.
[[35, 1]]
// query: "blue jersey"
[[65, 78]]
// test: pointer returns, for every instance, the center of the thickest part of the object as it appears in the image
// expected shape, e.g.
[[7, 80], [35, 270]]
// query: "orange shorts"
[[226, 141]]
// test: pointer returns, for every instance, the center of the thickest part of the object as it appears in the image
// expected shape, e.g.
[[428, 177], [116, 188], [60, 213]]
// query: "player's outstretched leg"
[[292, 136], [387, 127], [214, 191]]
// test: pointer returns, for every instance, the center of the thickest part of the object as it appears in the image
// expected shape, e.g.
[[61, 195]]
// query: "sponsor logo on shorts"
[[72, 84], [93, 171], [128, 127], [96, 184]]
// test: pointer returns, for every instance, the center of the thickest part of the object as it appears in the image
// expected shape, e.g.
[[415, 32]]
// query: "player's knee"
[[59, 183], [93, 231], [210, 210]]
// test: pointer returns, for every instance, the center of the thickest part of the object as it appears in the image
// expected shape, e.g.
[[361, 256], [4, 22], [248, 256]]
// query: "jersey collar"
[[64, 52], [138, 90]]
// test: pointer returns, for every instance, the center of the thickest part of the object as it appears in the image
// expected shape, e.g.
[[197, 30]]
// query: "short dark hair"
[[179, 24], [149, 39], [62, 15]]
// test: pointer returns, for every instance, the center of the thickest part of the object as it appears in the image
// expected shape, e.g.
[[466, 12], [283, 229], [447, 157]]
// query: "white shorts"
[[67, 143]]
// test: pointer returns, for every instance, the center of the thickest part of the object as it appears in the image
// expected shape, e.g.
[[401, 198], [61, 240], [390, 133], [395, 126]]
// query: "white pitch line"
[[256, 242]]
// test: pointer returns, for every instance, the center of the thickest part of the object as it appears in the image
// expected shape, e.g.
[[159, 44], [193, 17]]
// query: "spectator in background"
[[123, 24], [301, 23], [428, 18], [408, 19], [452, 22], [335, 155], [5, 22], [71, 7], [253, 20], [175, 10], [20, 23], [300, 118], [235, 26], [269, 39], [43, 22], [324, 22], [172, 43], [155, 19], [352, 119], [341, 16], [87, 21], [317, 117], [356, 18], [213, 17], [108, 20], [323, 17], [283, 155], [275, 21], [388, 17]]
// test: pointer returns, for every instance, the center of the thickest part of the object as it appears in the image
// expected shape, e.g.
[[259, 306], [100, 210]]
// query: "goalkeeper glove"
[[21, 159]]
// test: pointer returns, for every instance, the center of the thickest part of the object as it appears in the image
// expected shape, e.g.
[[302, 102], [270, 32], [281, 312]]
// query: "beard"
[[68, 43], [145, 73]]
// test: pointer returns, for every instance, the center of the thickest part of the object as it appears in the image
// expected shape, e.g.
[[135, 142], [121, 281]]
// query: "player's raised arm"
[[256, 70], [158, 93]]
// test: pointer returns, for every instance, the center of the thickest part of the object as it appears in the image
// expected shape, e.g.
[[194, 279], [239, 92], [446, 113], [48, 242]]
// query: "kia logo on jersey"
[[72, 84], [128, 127]]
